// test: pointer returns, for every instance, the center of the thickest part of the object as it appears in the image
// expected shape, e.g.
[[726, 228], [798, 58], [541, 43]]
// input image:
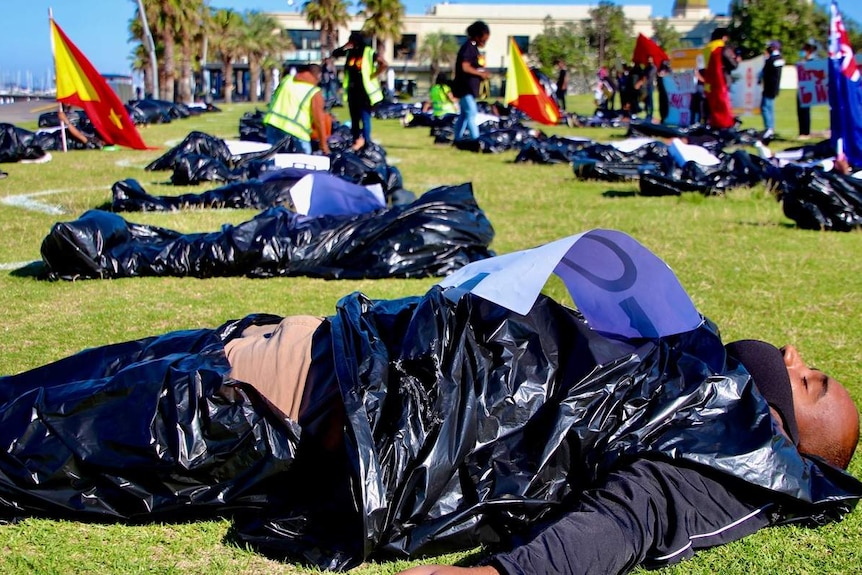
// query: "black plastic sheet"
[[251, 128], [271, 190], [197, 143], [598, 161], [18, 144], [819, 200], [441, 231], [450, 422]]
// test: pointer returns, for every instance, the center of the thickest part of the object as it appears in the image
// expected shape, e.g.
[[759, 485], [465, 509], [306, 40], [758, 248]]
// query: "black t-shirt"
[[465, 83], [562, 80], [353, 67]]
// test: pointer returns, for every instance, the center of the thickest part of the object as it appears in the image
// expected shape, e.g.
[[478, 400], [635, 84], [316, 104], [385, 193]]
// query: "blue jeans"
[[275, 135], [767, 108], [467, 118]]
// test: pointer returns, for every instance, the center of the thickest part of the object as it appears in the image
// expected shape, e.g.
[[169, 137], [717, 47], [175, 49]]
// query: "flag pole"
[[60, 113]]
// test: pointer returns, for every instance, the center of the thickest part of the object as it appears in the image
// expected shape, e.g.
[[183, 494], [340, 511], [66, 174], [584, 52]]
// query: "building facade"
[[523, 22]]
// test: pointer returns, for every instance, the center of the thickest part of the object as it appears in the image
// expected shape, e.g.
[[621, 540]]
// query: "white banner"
[[680, 87], [746, 91]]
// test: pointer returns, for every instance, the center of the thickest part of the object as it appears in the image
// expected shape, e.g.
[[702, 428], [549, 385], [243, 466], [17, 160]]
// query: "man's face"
[[825, 412]]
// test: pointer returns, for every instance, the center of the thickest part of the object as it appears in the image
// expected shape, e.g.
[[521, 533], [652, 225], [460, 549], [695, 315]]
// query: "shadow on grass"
[[290, 553], [619, 194], [36, 270]]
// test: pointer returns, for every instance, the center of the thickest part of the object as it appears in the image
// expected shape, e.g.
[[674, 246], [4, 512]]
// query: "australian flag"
[[845, 92]]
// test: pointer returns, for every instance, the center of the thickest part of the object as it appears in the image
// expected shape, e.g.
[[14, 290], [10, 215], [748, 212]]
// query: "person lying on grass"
[[655, 513], [621, 433]]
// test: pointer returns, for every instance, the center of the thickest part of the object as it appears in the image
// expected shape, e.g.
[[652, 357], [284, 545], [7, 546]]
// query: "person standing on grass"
[[562, 84], [362, 70], [469, 74], [803, 113], [297, 109], [721, 59], [664, 70], [770, 78]]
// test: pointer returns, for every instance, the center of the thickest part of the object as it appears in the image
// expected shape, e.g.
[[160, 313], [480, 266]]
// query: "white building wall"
[[504, 20]]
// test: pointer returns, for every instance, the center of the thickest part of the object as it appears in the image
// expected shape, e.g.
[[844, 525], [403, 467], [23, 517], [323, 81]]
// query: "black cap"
[[765, 363]]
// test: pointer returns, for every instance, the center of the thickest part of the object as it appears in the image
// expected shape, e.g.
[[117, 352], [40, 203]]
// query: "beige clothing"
[[275, 360]]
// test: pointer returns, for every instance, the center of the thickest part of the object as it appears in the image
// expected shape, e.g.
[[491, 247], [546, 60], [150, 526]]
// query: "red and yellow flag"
[[79, 84], [524, 92]]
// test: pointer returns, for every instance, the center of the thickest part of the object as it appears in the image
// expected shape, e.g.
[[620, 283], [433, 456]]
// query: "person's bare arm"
[[320, 122], [382, 65], [72, 129], [468, 67]]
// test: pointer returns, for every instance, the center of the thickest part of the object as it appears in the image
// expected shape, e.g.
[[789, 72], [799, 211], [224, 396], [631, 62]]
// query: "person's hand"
[[485, 74], [842, 166], [449, 570]]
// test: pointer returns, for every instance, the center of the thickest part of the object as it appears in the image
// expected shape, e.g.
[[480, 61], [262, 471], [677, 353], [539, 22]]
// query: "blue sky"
[[99, 28]]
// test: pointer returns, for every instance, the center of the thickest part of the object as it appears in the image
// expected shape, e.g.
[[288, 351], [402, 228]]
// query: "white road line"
[[27, 201], [16, 265], [129, 164]]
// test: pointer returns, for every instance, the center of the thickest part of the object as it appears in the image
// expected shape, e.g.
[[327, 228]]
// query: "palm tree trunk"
[[267, 84], [254, 75], [186, 73], [168, 67], [148, 80], [228, 80]]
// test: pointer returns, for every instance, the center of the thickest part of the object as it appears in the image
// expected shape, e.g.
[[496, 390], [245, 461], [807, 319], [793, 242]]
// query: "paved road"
[[19, 112]]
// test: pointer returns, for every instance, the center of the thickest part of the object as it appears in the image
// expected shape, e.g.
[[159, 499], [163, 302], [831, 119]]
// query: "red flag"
[[716, 88], [79, 84], [524, 92], [839, 45], [644, 48]]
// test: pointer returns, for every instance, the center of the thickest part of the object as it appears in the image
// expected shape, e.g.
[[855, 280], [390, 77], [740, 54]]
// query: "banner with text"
[[680, 87], [746, 91], [813, 81]]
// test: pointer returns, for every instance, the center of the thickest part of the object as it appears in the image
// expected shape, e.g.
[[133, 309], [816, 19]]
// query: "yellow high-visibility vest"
[[440, 102], [367, 67], [290, 109]]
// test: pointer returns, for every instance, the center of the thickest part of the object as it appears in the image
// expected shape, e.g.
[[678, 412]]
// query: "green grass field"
[[746, 266]]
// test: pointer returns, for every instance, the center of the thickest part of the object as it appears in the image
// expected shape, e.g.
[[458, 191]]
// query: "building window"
[[304, 39], [523, 43], [406, 48]]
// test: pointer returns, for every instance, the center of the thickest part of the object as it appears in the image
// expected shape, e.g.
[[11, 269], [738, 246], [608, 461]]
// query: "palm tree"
[[261, 38], [330, 15], [189, 24], [163, 16], [227, 43], [270, 63], [438, 47], [384, 20]]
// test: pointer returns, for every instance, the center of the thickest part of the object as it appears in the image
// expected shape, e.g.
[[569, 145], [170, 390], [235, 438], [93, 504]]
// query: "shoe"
[[804, 137], [768, 134]]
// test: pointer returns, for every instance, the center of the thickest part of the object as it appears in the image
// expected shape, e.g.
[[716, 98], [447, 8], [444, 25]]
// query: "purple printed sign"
[[620, 286]]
